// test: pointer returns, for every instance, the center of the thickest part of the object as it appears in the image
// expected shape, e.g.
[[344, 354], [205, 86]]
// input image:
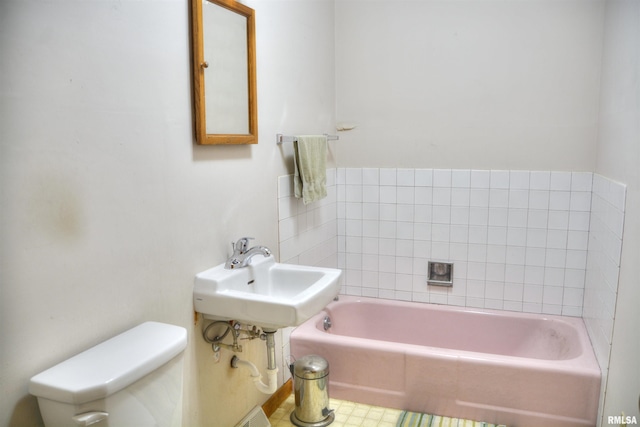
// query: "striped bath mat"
[[414, 419]]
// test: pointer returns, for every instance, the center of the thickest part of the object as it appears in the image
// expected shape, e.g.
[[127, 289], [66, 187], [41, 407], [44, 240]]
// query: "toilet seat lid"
[[111, 365]]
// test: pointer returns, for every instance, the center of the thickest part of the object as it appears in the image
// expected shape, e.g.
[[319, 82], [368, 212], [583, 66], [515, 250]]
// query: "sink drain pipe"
[[272, 370]]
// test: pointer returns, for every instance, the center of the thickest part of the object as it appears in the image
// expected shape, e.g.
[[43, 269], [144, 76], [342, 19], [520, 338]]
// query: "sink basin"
[[265, 293]]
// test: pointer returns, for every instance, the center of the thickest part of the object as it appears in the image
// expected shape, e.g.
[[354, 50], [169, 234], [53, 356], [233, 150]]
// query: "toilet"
[[133, 379]]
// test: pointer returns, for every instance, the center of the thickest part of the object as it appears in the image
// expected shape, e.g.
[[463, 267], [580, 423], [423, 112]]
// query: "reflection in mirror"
[[226, 77], [224, 72]]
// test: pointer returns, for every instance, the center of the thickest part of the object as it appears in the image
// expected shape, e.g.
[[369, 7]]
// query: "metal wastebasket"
[[311, 390]]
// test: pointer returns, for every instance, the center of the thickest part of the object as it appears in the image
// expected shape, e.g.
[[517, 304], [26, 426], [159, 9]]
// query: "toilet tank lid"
[[112, 365]]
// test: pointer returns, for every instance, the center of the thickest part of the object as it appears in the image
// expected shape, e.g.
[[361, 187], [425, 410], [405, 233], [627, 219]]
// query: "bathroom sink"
[[265, 293]]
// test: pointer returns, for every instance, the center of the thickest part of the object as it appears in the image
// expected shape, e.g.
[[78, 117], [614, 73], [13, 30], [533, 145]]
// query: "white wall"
[[108, 209], [483, 84], [619, 158]]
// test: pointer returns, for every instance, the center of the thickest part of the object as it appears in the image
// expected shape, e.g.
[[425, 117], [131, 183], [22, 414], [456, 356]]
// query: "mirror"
[[224, 67]]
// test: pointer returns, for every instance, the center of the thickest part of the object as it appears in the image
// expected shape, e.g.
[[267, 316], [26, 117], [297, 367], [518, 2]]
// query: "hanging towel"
[[310, 164]]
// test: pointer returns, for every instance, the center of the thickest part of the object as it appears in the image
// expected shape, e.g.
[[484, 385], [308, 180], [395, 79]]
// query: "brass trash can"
[[311, 390]]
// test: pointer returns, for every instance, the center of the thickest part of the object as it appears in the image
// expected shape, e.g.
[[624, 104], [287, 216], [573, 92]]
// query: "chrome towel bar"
[[280, 138]]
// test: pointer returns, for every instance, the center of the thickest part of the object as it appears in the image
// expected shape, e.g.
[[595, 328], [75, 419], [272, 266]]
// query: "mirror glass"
[[226, 78], [224, 72]]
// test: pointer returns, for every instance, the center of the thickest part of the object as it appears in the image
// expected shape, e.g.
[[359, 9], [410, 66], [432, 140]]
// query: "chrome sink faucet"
[[242, 254]]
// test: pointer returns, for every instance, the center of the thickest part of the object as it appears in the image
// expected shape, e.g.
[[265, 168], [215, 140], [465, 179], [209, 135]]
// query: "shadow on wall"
[[220, 152], [26, 413]]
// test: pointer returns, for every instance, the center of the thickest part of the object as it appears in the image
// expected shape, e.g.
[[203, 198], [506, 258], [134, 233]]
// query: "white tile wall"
[[603, 264], [519, 240], [307, 234]]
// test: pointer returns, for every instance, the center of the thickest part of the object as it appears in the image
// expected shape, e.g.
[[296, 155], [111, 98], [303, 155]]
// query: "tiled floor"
[[348, 414]]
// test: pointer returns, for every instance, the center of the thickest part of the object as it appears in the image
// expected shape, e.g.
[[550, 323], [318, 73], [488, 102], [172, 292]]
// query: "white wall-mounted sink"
[[265, 293]]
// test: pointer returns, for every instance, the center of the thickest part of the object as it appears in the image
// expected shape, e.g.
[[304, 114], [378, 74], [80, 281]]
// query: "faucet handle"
[[242, 244]]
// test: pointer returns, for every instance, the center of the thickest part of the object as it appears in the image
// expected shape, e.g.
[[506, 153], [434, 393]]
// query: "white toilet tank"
[[131, 380]]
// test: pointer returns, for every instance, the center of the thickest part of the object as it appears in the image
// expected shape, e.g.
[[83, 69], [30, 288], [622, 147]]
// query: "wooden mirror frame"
[[198, 75]]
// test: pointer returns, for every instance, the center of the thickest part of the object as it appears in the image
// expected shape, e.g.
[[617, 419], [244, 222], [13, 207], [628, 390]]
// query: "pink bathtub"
[[502, 367]]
